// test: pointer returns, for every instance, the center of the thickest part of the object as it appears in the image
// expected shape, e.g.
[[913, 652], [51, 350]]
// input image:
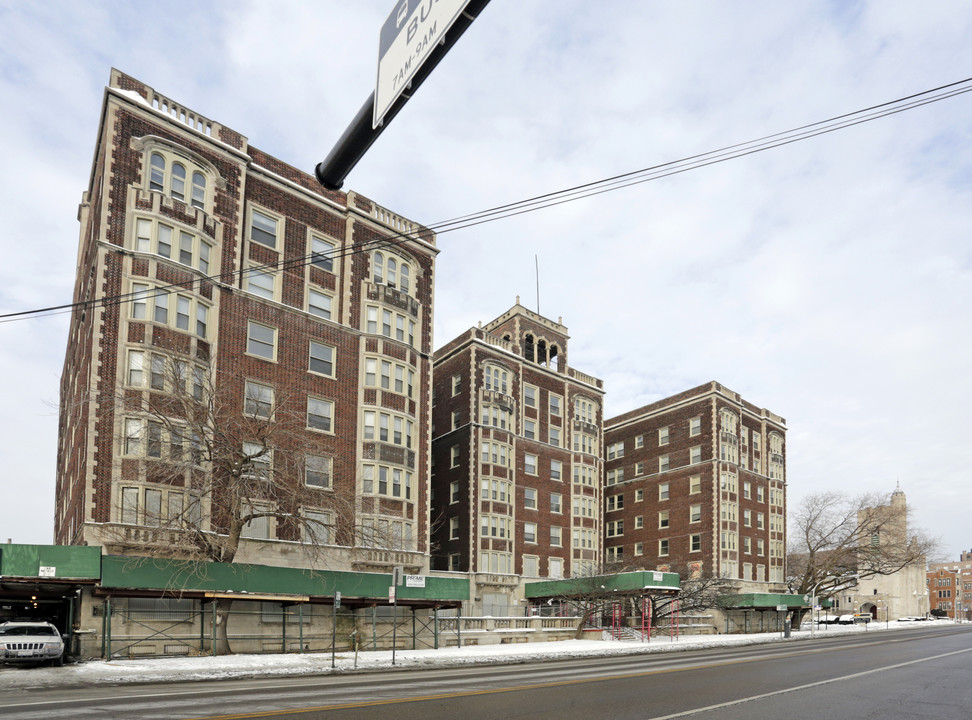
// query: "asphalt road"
[[892, 676]]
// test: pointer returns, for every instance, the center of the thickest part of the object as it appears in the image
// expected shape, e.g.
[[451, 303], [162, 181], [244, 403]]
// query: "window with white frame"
[[663, 491], [748, 518], [585, 410], [695, 484], [394, 326], [261, 340], [695, 426], [322, 253], [387, 480], [389, 375], [171, 309], [584, 539], [639, 522], [614, 554], [613, 477], [663, 547], [174, 243], [530, 532], [663, 436], [320, 413], [321, 360], [496, 379], [319, 304], [695, 455], [640, 495], [663, 519], [556, 503], [456, 419], [530, 498], [663, 463], [496, 489], [456, 384], [695, 543], [453, 492], [257, 461], [530, 429], [264, 228], [615, 502], [453, 528], [261, 281], [639, 441], [529, 396], [556, 403], [556, 470], [178, 178], [615, 450], [495, 526], [496, 453], [639, 549], [258, 399], [556, 536], [316, 528], [748, 545], [584, 506], [530, 464], [317, 471], [555, 436], [391, 270], [388, 428], [615, 528], [497, 416]]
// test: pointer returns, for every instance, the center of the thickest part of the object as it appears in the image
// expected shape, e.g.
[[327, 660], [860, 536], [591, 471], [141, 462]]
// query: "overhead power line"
[[571, 194]]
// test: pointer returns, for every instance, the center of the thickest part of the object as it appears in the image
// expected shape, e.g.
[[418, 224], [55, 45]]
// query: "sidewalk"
[[152, 670]]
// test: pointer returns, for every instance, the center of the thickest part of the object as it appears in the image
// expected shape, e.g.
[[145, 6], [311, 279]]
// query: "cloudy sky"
[[829, 280]]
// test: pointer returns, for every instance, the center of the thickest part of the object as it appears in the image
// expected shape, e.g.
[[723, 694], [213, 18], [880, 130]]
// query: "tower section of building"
[[215, 278], [696, 483], [516, 454]]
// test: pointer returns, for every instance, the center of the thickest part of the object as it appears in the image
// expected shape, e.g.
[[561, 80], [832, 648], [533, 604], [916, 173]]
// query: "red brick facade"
[[206, 258], [696, 483], [508, 386]]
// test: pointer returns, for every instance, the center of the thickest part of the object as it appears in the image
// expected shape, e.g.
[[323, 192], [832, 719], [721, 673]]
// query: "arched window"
[[178, 190], [403, 280], [392, 272], [528, 347], [379, 268], [157, 173], [198, 190]]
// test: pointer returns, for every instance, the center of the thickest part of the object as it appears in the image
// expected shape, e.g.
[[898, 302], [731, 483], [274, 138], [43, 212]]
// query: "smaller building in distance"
[[899, 589], [696, 484], [950, 588], [516, 457]]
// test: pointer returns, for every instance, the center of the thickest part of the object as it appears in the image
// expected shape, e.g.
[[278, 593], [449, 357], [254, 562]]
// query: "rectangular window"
[[640, 522], [695, 426], [615, 528], [663, 463], [748, 545], [663, 547], [454, 456], [136, 368], [316, 527], [695, 484], [639, 495], [695, 543], [202, 320], [695, 455], [157, 374], [258, 401], [183, 316], [319, 304], [695, 513], [639, 441], [615, 502], [529, 396], [454, 528], [748, 518], [317, 471], [321, 359], [530, 429], [261, 340], [556, 503], [747, 490], [556, 536], [555, 405], [530, 498], [263, 228], [454, 492], [530, 532], [639, 469], [456, 384], [615, 450], [530, 464], [322, 253], [261, 282], [556, 469], [161, 307], [129, 506], [663, 519], [759, 521], [319, 414], [258, 460], [555, 436], [663, 491], [133, 436], [663, 436]]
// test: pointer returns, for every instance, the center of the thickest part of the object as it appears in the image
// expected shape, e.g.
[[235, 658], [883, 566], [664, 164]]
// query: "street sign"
[[781, 608], [391, 593], [408, 36]]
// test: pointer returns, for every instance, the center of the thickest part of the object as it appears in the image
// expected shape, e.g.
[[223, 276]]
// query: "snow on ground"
[[146, 670]]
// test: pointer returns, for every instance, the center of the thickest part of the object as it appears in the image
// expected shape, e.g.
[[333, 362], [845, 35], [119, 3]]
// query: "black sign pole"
[[360, 135]]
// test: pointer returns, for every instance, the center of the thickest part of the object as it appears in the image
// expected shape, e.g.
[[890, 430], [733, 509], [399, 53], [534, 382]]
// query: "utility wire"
[[552, 199]]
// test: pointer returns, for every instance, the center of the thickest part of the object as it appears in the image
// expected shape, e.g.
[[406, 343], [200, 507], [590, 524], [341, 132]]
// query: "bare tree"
[[837, 540], [238, 455], [699, 590]]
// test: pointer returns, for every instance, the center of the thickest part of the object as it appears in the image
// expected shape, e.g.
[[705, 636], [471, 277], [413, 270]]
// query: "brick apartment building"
[[697, 483], [950, 588], [516, 454], [229, 273]]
